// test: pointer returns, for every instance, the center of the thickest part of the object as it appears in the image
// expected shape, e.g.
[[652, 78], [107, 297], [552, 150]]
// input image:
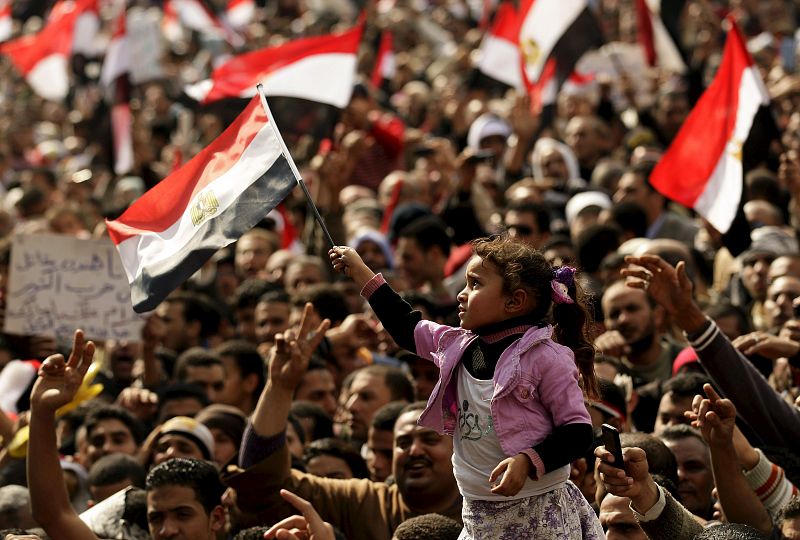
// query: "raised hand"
[[288, 360], [59, 380], [348, 262], [767, 345], [667, 285], [308, 526], [714, 416], [634, 481]]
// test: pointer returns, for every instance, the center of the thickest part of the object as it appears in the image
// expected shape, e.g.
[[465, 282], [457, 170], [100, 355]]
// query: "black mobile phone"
[[612, 444]]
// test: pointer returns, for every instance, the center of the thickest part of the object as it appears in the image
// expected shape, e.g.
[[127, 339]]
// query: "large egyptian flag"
[[704, 166], [115, 78], [43, 58], [500, 52], [225, 190]]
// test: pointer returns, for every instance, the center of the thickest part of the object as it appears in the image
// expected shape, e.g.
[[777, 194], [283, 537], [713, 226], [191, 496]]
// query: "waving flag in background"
[[221, 193], [725, 132]]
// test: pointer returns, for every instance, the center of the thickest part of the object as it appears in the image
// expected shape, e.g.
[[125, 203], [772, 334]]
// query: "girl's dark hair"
[[523, 267]]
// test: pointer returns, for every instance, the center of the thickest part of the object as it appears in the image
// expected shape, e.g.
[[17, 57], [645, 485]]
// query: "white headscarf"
[[545, 144]]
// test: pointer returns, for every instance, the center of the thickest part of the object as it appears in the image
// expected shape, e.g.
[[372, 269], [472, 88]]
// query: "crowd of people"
[[505, 282]]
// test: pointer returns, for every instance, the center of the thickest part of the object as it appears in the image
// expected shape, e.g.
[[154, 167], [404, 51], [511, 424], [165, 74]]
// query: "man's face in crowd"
[[109, 436], [380, 444], [372, 255], [695, 480], [174, 445], [632, 188], [522, 226], [583, 138], [318, 386], [629, 312], [246, 324], [299, 276], [235, 390], [252, 253], [326, 466], [412, 262], [755, 274], [554, 166], [422, 459], [122, 355], [272, 318], [175, 337], [368, 393], [778, 304], [670, 411], [174, 513], [617, 519], [209, 378]]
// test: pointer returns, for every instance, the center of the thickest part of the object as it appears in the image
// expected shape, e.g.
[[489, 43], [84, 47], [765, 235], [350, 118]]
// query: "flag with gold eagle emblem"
[[553, 35], [221, 193]]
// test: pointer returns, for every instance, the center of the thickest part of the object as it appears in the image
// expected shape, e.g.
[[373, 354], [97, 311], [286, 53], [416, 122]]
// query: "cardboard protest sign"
[[59, 283]]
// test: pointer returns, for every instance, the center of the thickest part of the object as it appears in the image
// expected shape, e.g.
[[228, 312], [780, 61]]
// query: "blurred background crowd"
[[433, 156]]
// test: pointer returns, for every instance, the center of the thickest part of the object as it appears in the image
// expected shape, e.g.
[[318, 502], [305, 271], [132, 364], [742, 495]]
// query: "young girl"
[[508, 392]]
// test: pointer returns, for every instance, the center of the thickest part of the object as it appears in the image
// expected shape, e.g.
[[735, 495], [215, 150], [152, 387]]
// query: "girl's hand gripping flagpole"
[[292, 165]]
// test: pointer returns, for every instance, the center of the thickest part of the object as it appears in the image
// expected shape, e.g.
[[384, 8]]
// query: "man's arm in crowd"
[[264, 441], [659, 515], [776, 422], [56, 386], [716, 419]]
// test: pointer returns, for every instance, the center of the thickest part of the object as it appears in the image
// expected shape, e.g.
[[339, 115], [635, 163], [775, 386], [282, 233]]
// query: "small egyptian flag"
[[224, 191]]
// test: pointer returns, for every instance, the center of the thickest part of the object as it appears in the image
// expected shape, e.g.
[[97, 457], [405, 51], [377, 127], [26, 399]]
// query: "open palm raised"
[[59, 379]]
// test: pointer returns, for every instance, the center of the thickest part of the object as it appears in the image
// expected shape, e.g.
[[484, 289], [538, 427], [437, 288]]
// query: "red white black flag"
[[320, 69], [221, 193], [500, 51], [704, 166], [658, 45]]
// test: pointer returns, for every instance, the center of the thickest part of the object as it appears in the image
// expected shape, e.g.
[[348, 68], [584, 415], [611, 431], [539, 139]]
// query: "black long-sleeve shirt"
[[565, 444]]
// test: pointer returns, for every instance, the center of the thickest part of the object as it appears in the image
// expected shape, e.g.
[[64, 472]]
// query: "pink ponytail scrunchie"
[[563, 279]]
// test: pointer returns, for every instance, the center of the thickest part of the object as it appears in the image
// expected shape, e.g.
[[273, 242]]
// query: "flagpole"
[[293, 166]]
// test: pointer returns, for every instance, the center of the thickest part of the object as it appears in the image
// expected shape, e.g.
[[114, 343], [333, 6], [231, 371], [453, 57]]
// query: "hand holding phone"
[[612, 444]]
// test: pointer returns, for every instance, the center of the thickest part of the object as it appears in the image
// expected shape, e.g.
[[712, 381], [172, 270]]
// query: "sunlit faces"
[[422, 460], [368, 393], [109, 436], [174, 513], [482, 300]]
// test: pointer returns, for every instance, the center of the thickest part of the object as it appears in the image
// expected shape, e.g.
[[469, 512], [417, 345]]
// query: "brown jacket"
[[361, 509]]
